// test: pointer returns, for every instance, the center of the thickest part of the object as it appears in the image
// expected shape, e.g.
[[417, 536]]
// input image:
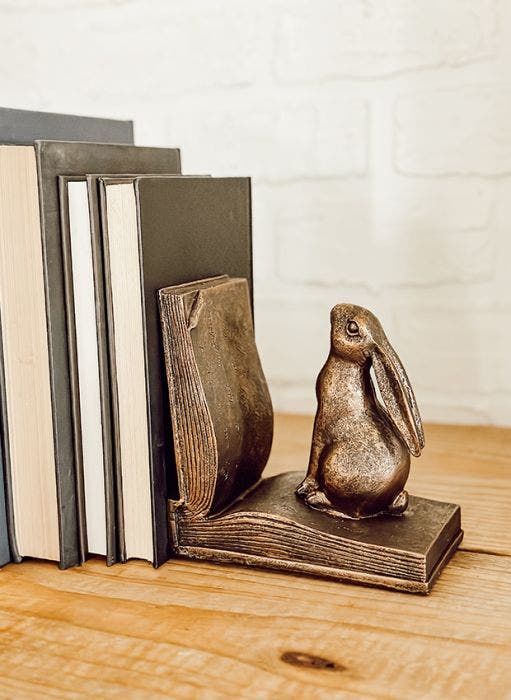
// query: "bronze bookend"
[[222, 424]]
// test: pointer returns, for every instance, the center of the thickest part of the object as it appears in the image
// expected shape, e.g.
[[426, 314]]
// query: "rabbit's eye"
[[352, 328]]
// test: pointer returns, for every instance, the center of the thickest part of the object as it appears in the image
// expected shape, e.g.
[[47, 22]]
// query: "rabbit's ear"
[[398, 396]]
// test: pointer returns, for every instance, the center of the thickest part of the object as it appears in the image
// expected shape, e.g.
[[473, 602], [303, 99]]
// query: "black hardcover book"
[[23, 126], [158, 231], [38, 394]]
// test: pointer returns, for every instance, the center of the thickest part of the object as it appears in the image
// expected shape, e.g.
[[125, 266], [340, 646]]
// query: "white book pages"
[[130, 369], [88, 367], [26, 358]]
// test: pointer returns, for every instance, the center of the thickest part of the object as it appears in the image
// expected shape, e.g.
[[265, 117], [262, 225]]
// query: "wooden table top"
[[199, 630]]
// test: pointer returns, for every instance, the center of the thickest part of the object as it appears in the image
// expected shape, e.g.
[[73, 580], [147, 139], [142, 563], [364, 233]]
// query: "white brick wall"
[[378, 135], [371, 39], [460, 131]]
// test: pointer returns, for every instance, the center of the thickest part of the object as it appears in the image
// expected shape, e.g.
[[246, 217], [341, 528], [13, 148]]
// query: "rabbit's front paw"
[[308, 486], [317, 499], [399, 504]]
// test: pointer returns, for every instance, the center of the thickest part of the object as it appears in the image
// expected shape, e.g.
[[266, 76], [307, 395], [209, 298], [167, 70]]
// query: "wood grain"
[[199, 630]]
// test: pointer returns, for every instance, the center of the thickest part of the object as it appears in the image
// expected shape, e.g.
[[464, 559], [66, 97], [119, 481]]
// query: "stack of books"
[[91, 227]]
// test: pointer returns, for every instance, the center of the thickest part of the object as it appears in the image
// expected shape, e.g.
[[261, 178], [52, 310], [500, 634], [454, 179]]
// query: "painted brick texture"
[[378, 137]]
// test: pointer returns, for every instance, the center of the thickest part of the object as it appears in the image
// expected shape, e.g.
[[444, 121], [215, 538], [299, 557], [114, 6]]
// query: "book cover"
[[187, 228], [22, 126]]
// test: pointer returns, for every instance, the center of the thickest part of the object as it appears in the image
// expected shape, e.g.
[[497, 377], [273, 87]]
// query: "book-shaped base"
[[272, 528]]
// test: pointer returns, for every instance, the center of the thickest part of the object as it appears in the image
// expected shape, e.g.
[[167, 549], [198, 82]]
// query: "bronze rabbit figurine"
[[360, 453]]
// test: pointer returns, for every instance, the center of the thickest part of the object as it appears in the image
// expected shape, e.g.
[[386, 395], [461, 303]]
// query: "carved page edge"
[[195, 444]]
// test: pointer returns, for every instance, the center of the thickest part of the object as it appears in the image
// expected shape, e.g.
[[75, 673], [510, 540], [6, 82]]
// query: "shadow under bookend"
[[350, 518]]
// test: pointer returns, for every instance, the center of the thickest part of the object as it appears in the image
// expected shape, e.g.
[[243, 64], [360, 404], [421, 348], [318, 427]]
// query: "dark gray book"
[[159, 232], [40, 436], [23, 126]]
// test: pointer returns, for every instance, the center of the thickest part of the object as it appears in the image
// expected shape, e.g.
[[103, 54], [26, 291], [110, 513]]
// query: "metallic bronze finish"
[[360, 453], [222, 423]]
